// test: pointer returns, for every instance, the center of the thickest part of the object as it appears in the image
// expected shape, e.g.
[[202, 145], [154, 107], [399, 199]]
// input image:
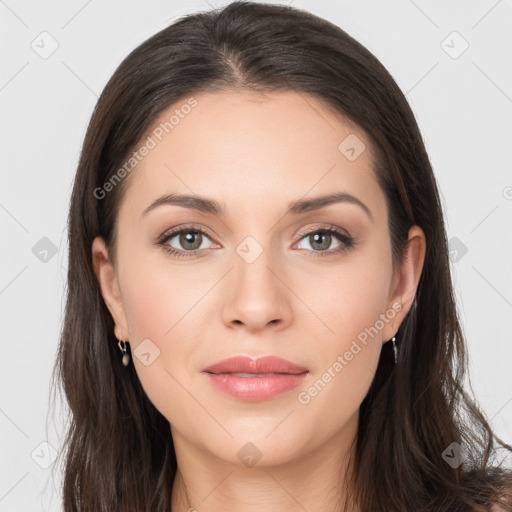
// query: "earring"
[[122, 347], [395, 351]]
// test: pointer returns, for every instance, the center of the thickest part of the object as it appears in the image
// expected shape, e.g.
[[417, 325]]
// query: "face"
[[192, 287]]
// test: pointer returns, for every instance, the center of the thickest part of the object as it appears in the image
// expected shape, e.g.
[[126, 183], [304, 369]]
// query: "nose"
[[256, 296]]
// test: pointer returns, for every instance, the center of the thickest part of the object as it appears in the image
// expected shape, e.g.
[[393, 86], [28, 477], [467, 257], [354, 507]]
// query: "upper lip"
[[244, 364]]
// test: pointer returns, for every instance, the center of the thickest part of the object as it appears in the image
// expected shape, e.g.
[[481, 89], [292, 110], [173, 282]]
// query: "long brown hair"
[[118, 452]]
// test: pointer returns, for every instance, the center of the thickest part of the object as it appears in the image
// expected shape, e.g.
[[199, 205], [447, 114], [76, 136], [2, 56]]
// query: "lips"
[[264, 366], [255, 380]]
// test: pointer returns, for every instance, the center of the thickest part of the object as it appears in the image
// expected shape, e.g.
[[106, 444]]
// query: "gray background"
[[463, 103]]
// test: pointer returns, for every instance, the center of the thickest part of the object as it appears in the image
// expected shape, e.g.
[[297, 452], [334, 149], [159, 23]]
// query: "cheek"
[[348, 298], [148, 302], [156, 310], [351, 303], [156, 295], [163, 306], [345, 367]]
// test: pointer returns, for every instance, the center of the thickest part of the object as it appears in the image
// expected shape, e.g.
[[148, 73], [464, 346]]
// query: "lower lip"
[[255, 388]]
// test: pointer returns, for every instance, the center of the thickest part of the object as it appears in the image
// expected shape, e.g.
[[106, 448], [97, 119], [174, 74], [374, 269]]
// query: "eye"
[[189, 240], [320, 239]]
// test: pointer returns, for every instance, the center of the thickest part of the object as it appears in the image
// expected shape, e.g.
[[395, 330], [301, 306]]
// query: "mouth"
[[254, 387], [255, 380], [250, 375], [245, 366]]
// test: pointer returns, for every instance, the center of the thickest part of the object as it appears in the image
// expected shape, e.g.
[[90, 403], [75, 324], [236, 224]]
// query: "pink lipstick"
[[255, 379]]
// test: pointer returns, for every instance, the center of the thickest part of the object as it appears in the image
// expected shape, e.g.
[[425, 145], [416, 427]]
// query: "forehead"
[[243, 148]]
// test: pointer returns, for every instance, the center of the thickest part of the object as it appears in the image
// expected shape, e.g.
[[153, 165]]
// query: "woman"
[[260, 314]]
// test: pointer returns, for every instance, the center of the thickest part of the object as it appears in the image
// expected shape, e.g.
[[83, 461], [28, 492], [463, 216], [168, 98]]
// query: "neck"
[[313, 481]]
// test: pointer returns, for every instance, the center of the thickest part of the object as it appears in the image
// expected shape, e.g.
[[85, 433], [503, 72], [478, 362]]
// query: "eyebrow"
[[297, 207]]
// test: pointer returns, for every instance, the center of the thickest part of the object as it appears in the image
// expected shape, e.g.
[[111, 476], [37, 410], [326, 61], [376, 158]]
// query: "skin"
[[255, 154]]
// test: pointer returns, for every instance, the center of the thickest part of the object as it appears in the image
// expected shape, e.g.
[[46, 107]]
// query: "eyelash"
[[347, 241]]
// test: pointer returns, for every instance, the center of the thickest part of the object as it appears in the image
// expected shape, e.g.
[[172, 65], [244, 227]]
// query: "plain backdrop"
[[448, 57]]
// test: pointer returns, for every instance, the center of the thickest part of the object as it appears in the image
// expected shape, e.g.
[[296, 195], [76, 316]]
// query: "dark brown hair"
[[119, 453]]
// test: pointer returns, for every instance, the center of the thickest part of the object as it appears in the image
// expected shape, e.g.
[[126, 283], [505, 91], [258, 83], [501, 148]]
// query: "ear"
[[107, 279], [405, 281]]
